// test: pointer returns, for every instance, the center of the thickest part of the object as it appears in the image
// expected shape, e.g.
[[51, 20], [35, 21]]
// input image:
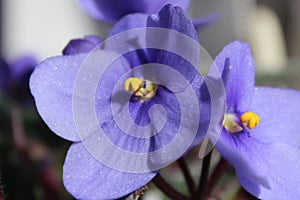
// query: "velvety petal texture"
[[173, 18], [110, 11], [279, 115], [86, 178], [236, 65], [52, 85]]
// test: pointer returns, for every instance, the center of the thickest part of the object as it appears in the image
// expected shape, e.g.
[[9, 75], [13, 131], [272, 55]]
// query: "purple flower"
[[14, 77], [260, 136], [112, 10], [53, 86], [85, 45]]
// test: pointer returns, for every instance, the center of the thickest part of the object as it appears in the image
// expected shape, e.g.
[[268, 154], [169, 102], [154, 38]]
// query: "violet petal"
[[86, 178]]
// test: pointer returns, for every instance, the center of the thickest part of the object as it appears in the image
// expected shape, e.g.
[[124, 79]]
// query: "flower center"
[[142, 89], [248, 119]]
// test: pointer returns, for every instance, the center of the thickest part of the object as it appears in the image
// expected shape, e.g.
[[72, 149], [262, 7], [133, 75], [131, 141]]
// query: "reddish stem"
[[44, 175], [218, 171], [17, 128]]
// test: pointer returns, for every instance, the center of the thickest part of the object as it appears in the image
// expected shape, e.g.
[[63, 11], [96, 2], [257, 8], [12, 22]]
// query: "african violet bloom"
[[52, 85], [14, 77], [260, 137]]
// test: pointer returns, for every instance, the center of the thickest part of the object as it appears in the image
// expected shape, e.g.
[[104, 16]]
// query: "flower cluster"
[[259, 125]]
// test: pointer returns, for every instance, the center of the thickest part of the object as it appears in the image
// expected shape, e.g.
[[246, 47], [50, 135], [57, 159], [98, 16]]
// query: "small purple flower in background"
[[52, 85], [260, 137], [110, 11], [85, 45], [14, 77]]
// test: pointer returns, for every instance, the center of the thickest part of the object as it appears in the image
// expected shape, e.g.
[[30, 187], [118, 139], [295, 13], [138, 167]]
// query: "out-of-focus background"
[[272, 28], [43, 27]]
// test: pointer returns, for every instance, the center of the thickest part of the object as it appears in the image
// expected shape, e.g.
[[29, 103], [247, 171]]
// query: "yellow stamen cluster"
[[249, 119], [142, 89]]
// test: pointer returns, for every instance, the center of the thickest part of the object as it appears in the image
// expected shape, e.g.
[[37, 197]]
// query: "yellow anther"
[[133, 84], [250, 119], [142, 89], [257, 118]]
